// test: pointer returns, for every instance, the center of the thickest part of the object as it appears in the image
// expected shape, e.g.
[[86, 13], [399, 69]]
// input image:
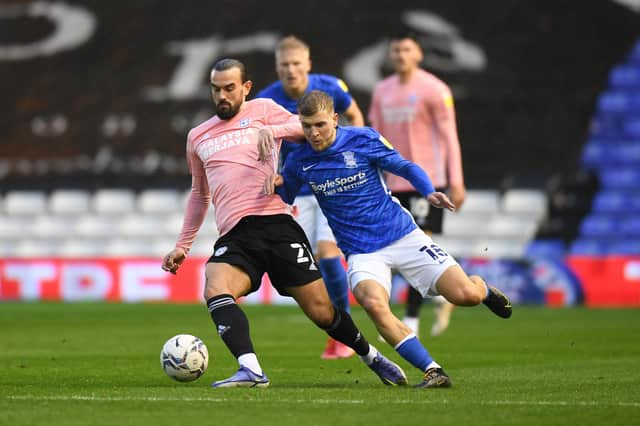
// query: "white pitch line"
[[632, 404]]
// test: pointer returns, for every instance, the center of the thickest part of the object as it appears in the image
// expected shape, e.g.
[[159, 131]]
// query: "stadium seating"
[[493, 225], [114, 201], [588, 247], [613, 152], [546, 248], [596, 226], [25, 203], [159, 201], [69, 202], [122, 222]]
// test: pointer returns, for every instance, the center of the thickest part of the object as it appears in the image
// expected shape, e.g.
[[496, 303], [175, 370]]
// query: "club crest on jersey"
[[349, 160], [245, 122]]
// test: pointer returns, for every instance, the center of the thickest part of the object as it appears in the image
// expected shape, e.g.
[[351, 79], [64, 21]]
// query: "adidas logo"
[[223, 329]]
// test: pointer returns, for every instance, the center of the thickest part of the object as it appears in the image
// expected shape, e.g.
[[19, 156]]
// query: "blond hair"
[[292, 42], [315, 101]]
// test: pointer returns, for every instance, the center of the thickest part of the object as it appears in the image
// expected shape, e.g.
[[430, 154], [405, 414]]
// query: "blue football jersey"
[[347, 180], [329, 84]]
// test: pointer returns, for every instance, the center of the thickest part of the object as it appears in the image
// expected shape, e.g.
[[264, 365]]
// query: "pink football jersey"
[[223, 160], [418, 118]]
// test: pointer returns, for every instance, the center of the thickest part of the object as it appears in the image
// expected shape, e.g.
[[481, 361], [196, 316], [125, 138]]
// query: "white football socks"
[[368, 358], [250, 361]]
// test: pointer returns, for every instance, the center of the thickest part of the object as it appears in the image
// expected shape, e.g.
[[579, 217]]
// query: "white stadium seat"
[[52, 226], [82, 248], [138, 225], [509, 226], [162, 246], [15, 227], [114, 201], [25, 203], [37, 248], [529, 202], [501, 248], [7, 248], [93, 226], [160, 201], [202, 247], [128, 247], [69, 202], [481, 201], [467, 225]]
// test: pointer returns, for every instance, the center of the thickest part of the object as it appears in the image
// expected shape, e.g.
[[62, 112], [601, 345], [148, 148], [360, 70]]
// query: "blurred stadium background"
[[96, 100]]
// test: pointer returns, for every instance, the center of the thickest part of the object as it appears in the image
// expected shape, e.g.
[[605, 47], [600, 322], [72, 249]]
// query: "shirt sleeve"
[[198, 201], [445, 123], [383, 155], [292, 182], [341, 97], [283, 124]]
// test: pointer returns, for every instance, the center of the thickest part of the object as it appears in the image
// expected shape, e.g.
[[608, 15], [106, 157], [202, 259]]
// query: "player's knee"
[[321, 313], [467, 295], [375, 306], [210, 291]]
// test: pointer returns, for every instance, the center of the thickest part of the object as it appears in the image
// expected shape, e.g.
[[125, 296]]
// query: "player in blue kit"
[[293, 66], [343, 166]]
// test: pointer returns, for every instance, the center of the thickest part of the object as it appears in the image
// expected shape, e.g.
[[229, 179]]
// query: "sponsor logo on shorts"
[[221, 250]]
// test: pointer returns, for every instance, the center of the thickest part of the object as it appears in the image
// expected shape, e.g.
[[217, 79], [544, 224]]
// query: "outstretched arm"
[[389, 159]]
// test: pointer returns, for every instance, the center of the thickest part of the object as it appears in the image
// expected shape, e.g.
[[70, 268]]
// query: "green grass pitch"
[[98, 364]]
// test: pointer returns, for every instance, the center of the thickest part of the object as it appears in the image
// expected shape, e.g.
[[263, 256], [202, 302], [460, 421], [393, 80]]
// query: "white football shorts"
[[312, 221], [415, 256]]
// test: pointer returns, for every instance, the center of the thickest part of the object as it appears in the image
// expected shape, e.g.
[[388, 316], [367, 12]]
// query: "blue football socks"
[[412, 350], [335, 278]]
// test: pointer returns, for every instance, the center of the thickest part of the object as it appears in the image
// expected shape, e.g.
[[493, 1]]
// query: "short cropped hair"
[[291, 42], [315, 101], [405, 34], [228, 63]]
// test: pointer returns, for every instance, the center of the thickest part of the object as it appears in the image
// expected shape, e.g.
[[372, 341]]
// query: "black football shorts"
[[274, 244]]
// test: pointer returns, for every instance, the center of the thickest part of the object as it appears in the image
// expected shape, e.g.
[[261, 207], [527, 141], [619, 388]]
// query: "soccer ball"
[[184, 358]]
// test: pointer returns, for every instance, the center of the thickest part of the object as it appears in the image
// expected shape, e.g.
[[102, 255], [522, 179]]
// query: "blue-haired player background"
[[293, 66], [344, 168]]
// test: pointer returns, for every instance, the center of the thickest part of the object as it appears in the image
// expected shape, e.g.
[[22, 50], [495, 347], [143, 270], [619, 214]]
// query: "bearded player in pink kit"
[[414, 109], [257, 231]]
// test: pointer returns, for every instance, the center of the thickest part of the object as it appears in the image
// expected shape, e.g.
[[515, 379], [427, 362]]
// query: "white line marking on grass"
[[243, 398]]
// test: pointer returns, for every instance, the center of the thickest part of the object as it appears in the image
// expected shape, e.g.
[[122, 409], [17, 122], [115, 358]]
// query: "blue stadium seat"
[[632, 127], [614, 102], [593, 155], [596, 155], [589, 247], [609, 202], [620, 178], [625, 77], [630, 227], [624, 154], [551, 248], [634, 55], [633, 202], [624, 247], [599, 226]]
